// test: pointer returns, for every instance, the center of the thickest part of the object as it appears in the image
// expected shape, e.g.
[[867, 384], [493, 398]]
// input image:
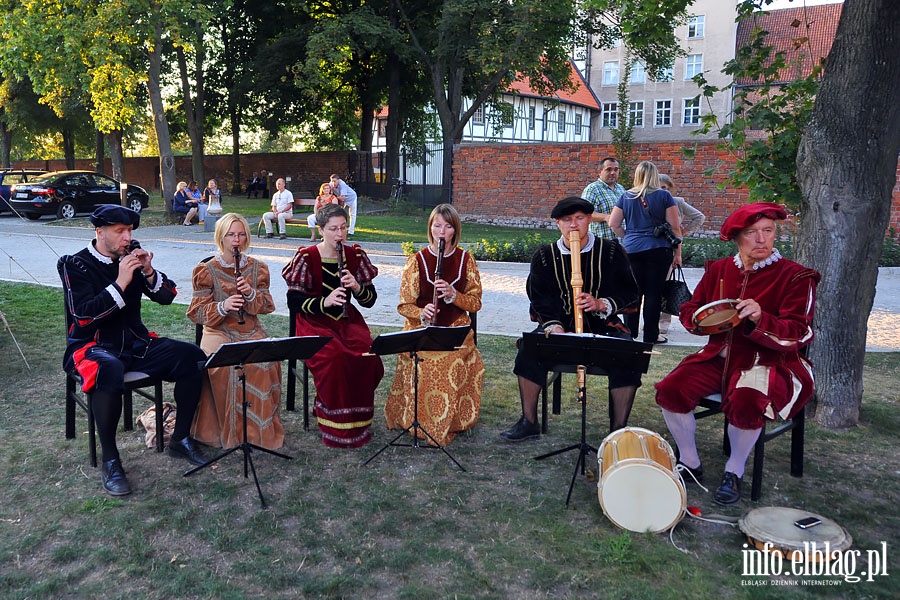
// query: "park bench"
[[299, 203]]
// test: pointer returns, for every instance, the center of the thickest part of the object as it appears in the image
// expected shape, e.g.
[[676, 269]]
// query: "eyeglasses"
[[234, 235], [336, 229]]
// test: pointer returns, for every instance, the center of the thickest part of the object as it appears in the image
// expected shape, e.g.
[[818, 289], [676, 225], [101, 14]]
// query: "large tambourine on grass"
[[773, 529]]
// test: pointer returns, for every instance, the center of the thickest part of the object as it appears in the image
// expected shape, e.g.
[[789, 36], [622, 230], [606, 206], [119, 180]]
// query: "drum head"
[[641, 496], [717, 316], [775, 525]]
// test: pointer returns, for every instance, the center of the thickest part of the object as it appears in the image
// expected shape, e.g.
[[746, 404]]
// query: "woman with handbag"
[[653, 242], [691, 220]]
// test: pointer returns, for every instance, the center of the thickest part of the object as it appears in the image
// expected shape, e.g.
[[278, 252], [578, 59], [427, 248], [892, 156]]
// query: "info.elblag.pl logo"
[[814, 560]]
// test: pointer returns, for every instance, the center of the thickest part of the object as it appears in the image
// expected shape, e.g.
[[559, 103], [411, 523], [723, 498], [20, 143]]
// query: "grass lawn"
[[410, 524]]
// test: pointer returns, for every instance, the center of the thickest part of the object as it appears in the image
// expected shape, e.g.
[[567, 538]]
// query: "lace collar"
[[772, 259], [221, 260], [92, 248], [564, 250]]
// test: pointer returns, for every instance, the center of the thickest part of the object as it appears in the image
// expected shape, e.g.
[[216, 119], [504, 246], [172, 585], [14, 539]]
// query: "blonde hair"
[[450, 215], [224, 224], [322, 188], [646, 179], [181, 185]]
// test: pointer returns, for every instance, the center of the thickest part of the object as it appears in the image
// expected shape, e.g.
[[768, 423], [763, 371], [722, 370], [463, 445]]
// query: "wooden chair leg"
[[305, 396], [797, 440], [291, 384], [92, 431], [71, 391], [759, 452], [544, 408], [158, 402], [127, 410]]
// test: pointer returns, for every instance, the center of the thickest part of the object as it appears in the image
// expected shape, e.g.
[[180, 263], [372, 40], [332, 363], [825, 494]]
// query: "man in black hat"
[[609, 288], [105, 336]]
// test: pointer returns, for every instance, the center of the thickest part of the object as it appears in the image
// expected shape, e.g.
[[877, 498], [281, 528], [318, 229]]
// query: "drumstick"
[[721, 289]]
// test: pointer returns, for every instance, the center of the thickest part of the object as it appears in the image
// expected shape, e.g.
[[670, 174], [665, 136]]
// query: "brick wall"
[[520, 183], [307, 170]]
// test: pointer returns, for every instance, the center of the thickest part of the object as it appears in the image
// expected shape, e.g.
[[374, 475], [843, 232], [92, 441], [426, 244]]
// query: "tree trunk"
[[99, 151], [393, 134], [193, 107], [5, 144], [68, 138], [847, 168], [117, 156], [161, 125]]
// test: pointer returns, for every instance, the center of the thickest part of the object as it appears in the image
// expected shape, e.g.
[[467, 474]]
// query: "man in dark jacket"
[[105, 337]]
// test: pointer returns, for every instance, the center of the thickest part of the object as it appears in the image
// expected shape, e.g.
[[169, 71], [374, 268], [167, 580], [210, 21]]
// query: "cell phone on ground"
[[807, 522]]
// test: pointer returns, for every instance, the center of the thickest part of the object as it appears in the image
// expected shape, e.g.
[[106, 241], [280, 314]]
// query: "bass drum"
[[638, 488]]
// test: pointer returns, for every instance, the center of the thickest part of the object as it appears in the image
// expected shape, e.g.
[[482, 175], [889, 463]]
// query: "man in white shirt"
[[347, 196], [282, 208]]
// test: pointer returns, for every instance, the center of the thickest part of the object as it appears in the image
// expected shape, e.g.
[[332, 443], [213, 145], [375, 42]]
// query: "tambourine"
[[716, 317]]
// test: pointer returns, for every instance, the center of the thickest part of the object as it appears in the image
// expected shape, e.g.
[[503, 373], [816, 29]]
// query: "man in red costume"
[[757, 366]]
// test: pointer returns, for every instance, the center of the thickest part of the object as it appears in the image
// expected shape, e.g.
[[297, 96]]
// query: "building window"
[[561, 123], [666, 75], [693, 65], [663, 113], [611, 73], [636, 113], [578, 124], [506, 114], [610, 114], [382, 128], [638, 72], [531, 118], [691, 111], [478, 117], [696, 25]]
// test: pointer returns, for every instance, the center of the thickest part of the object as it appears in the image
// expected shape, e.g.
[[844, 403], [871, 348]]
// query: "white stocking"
[[742, 442], [682, 426]]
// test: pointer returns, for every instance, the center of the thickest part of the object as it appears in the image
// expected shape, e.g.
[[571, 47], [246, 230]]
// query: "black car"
[[67, 193], [10, 177]]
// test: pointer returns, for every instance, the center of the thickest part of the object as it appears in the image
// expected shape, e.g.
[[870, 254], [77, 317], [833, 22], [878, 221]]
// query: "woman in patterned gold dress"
[[218, 296], [449, 382]]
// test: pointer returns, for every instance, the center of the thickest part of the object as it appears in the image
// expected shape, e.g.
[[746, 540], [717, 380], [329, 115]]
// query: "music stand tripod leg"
[[415, 427], [245, 446], [583, 447]]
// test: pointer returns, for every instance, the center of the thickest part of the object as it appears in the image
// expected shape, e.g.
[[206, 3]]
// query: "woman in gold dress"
[[220, 302], [449, 382]]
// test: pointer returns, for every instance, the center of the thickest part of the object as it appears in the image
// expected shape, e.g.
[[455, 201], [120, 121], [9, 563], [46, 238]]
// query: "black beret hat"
[[113, 214], [570, 205]]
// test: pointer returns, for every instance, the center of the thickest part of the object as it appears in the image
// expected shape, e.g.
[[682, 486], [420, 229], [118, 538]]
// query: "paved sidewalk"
[[29, 251]]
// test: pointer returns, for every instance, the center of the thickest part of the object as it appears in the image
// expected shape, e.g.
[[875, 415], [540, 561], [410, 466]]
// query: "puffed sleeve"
[[260, 302], [409, 291], [203, 309], [470, 299]]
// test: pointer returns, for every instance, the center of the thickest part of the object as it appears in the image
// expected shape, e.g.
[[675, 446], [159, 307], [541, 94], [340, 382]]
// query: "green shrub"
[[519, 250]]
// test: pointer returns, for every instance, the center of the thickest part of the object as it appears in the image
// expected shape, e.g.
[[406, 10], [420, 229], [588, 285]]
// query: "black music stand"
[[565, 352], [415, 341], [238, 354]]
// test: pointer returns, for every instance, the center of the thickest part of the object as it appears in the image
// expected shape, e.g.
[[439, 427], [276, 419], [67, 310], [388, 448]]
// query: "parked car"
[[67, 193], [9, 178]]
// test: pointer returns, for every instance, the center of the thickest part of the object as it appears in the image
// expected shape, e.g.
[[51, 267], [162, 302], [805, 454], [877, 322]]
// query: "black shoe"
[[282, 237], [729, 491], [522, 430], [694, 474], [185, 449], [269, 236], [113, 477]]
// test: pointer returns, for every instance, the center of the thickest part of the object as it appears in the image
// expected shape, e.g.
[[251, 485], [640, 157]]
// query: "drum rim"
[[754, 532]]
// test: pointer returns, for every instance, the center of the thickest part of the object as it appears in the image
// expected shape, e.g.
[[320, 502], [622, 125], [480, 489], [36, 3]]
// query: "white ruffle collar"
[[771, 260], [220, 258], [564, 250]]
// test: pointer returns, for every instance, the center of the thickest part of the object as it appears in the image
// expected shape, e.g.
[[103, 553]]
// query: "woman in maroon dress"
[[320, 294]]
